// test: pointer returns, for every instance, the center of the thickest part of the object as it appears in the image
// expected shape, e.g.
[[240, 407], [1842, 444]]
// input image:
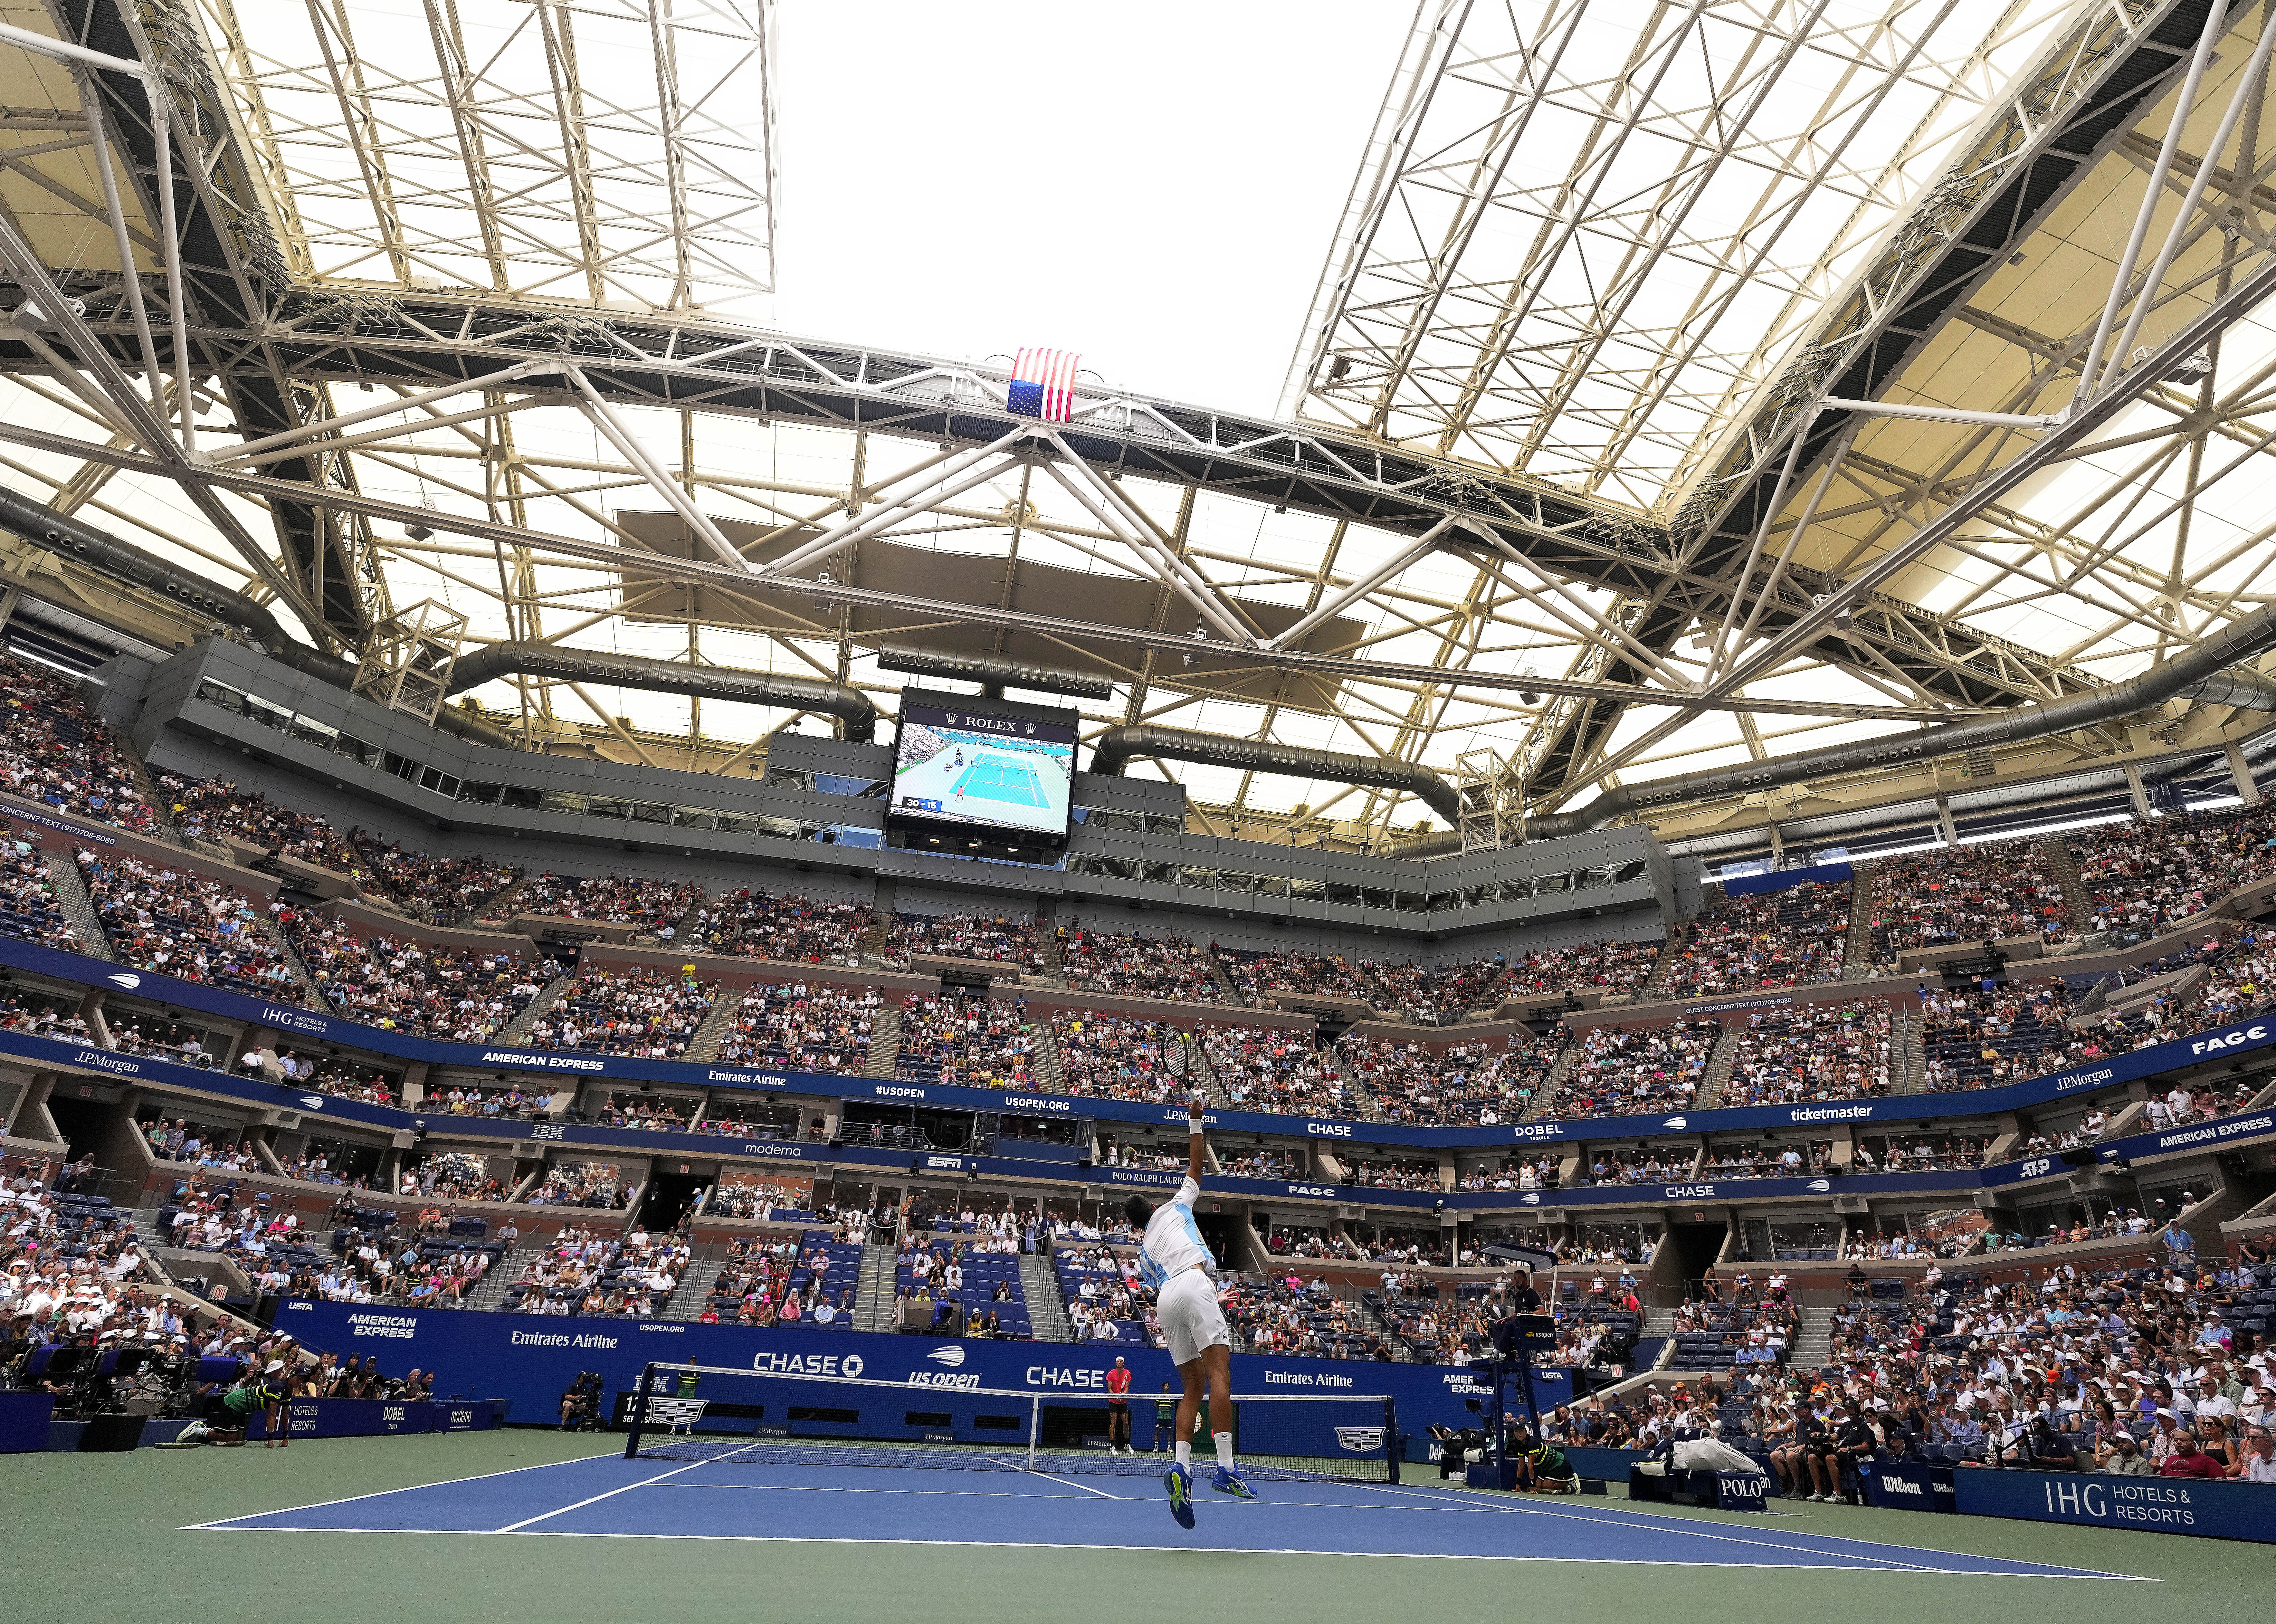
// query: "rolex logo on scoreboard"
[[1359, 1440]]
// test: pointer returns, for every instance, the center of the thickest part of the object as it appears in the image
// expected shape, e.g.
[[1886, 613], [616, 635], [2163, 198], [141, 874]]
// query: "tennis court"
[[725, 1497], [996, 777]]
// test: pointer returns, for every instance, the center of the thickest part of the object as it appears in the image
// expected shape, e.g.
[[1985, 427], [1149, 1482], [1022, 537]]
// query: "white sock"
[[1184, 1453], [1224, 1450]]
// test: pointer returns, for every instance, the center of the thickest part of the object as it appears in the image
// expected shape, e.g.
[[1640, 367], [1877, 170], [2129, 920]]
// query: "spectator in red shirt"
[[2188, 1460]]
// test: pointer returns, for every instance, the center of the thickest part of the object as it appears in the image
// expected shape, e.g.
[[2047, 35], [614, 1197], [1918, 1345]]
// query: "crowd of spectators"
[[636, 1011], [464, 995], [758, 924], [2142, 878], [1923, 1153], [28, 906], [1145, 966], [1258, 975], [652, 906], [439, 891], [768, 1280], [583, 1184], [1814, 1052], [1978, 1039], [633, 1275], [1119, 1057], [978, 1042], [1624, 1070], [801, 1026], [1273, 1070], [181, 924], [1781, 938], [178, 1139], [461, 1099], [1509, 1172], [1412, 1081], [218, 810], [1582, 966], [1965, 893], [653, 1113], [1000, 937], [1646, 1164], [53, 752], [1287, 1316], [1387, 1173]]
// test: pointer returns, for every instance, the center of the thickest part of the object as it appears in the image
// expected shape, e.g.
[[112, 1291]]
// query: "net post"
[[637, 1410], [1390, 1435], [1035, 1426]]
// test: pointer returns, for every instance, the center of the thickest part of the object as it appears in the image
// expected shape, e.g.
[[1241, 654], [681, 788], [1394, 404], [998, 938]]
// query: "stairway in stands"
[[1047, 943], [298, 966], [1537, 1107], [2074, 889], [873, 1297], [1857, 952], [1664, 967], [1719, 1068], [881, 923], [884, 1039], [1813, 1343], [1046, 1313], [694, 1288], [713, 1029], [1198, 1066], [1228, 991], [161, 804], [77, 907], [518, 1029], [500, 903], [1049, 1079], [1364, 1103], [1908, 1053], [1382, 1326]]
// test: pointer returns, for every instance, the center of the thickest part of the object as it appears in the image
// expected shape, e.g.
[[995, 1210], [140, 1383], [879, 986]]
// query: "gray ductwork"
[[993, 673], [1117, 744], [624, 671], [2199, 672]]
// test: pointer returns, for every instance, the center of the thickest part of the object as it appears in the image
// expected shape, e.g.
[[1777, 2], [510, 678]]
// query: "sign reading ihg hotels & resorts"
[[2101, 1500]]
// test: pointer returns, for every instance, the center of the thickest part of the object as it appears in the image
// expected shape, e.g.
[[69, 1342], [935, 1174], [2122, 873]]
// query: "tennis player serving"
[[1173, 1259]]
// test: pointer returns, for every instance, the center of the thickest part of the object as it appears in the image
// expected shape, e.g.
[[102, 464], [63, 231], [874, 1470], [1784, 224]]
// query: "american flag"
[[1043, 384]]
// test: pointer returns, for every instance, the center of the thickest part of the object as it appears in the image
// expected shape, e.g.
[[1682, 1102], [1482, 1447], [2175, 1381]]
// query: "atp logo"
[[851, 1365], [950, 1356], [1678, 1123]]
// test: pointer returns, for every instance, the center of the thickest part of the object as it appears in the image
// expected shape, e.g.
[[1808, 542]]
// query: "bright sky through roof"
[[1152, 188]]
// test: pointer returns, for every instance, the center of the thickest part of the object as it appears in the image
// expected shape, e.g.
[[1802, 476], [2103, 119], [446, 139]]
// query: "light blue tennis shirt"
[[1173, 1243]]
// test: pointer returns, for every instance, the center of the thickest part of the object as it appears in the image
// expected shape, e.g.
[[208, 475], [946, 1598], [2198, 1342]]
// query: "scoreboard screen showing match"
[[983, 770]]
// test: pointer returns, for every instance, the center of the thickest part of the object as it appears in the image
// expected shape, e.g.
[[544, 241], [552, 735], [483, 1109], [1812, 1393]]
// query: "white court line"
[[513, 1528], [1656, 1522], [1070, 1483], [381, 1494], [1040, 1544], [800, 1488]]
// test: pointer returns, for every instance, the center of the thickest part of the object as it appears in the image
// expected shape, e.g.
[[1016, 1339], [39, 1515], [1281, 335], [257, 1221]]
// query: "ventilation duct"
[[1117, 744], [993, 673], [625, 671]]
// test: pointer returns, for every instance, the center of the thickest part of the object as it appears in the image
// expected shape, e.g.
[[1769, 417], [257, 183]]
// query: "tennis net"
[[688, 1412]]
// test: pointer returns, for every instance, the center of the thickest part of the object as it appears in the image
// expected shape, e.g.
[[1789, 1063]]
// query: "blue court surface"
[[995, 777], [605, 1497]]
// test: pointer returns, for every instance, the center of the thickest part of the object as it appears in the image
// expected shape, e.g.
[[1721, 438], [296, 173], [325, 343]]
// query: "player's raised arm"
[[1197, 1106]]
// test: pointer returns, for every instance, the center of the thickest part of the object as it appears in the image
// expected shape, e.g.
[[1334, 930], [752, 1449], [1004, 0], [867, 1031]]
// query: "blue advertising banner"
[[24, 1418], [2163, 1505], [381, 1417], [530, 1360], [1907, 1486]]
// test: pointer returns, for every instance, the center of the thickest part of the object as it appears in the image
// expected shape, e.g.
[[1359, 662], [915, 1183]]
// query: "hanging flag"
[[1043, 384]]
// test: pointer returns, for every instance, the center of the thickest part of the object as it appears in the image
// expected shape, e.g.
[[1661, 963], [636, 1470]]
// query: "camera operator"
[[581, 1405]]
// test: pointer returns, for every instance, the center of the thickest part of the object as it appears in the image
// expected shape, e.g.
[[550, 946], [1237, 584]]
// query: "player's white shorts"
[[1191, 1319]]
